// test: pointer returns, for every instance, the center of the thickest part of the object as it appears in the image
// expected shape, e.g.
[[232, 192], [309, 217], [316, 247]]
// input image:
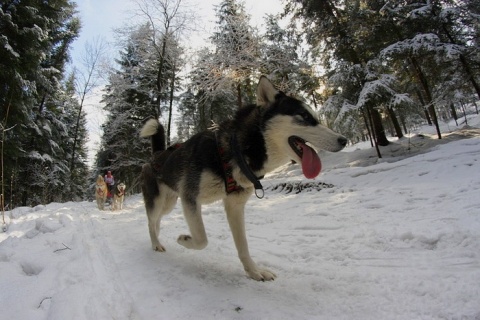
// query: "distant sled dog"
[[118, 196], [226, 163], [101, 191]]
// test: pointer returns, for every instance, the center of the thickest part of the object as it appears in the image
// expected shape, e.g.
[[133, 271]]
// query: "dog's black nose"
[[342, 141]]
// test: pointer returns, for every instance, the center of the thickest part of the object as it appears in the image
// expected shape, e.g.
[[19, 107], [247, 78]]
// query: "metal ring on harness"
[[244, 166]]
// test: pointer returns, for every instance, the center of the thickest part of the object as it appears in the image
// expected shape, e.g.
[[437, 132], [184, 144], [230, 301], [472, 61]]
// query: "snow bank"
[[391, 239]]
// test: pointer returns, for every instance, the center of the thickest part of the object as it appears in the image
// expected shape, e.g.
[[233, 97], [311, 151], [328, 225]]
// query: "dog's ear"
[[266, 92]]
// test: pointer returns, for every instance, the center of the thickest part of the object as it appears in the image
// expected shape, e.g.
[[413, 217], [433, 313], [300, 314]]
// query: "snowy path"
[[60, 266], [389, 241]]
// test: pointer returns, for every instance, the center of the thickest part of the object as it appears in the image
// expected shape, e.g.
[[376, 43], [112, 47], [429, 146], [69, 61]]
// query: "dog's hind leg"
[[162, 205], [155, 199], [154, 218], [198, 238], [235, 209]]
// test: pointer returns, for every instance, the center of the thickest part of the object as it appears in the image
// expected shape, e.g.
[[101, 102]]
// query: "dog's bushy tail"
[[152, 128]]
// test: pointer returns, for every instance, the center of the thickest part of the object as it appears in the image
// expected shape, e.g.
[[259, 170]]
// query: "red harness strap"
[[230, 183]]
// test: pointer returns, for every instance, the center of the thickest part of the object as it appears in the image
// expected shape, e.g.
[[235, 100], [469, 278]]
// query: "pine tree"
[[75, 180], [167, 21], [285, 62], [188, 120], [433, 48], [213, 101], [342, 34], [235, 62], [424, 49], [34, 42], [128, 100]]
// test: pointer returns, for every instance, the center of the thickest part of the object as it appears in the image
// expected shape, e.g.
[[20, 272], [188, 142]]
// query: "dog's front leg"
[[198, 238], [235, 208]]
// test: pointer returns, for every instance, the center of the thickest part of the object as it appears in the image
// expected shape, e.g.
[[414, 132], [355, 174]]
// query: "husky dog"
[[227, 163], [101, 191], [118, 196]]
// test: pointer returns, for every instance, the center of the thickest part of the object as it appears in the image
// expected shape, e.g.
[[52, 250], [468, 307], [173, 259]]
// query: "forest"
[[371, 69]]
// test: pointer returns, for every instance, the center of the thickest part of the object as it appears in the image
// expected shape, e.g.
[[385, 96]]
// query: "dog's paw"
[[188, 242], [185, 240], [261, 275], [159, 248]]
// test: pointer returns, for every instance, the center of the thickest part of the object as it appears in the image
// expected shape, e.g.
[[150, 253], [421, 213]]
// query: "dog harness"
[[242, 163], [231, 184]]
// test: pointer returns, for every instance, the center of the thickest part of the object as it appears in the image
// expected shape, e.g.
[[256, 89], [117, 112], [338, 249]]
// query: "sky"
[[101, 17], [396, 238]]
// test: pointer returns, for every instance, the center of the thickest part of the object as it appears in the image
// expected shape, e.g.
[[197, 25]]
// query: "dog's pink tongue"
[[311, 164]]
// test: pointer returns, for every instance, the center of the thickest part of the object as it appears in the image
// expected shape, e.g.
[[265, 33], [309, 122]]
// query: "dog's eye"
[[306, 118]]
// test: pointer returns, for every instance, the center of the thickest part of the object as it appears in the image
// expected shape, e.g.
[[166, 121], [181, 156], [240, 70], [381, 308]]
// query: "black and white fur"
[[194, 171]]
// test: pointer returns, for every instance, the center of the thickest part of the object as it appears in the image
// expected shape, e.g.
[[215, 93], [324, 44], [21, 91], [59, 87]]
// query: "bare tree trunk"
[[422, 102], [423, 81], [170, 107], [454, 113], [396, 124], [202, 114], [464, 113], [42, 103], [159, 75], [239, 95], [2, 195], [367, 125], [91, 59], [370, 117], [315, 105], [378, 129]]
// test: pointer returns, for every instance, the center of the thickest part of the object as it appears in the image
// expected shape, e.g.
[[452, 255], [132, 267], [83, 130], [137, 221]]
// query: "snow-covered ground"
[[397, 238]]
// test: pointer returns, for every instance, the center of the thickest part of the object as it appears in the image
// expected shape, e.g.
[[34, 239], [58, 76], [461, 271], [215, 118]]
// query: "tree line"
[[370, 68], [39, 111]]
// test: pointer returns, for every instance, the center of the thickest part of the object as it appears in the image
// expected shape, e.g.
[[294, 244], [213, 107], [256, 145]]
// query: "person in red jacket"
[[110, 181]]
